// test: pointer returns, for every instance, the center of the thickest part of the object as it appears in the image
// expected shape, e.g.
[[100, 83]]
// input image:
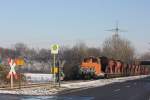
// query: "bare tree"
[[20, 49], [96, 52], [145, 56], [73, 57], [44, 55], [118, 48]]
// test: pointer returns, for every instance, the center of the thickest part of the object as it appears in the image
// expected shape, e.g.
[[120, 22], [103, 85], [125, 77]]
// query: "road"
[[131, 90]]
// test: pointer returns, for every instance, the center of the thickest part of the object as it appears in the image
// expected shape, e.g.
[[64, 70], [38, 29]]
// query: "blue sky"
[[39, 23]]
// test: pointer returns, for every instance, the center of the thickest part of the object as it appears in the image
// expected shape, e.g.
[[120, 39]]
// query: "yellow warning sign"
[[20, 62], [54, 70]]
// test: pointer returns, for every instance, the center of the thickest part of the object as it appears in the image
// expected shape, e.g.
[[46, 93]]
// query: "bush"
[[3, 73], [4, 70]]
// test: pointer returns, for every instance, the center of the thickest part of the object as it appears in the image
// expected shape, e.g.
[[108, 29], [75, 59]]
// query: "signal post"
[[54, 51]]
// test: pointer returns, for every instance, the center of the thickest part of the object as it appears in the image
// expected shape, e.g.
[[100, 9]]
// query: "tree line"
[[114, 47]]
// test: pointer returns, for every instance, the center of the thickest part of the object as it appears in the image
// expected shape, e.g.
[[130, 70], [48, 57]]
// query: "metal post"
[[19, 76], [54, 69], [59, 75], [11, 80]]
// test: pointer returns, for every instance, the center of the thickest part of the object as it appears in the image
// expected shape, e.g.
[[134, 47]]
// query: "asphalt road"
[[131, 90]]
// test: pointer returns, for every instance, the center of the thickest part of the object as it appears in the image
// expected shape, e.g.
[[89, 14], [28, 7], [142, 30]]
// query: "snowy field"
[[38, 78]]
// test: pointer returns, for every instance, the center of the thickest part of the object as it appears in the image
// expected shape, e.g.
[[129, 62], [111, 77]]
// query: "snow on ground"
[[44, 90], [49, 90], [101, 82]]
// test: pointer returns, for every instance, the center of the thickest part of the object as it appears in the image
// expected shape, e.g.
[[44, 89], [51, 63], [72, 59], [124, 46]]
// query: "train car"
[[95, 67], [90, 68]]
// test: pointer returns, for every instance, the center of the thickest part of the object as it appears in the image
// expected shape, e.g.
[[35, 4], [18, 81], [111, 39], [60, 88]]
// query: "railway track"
[[16, 86]]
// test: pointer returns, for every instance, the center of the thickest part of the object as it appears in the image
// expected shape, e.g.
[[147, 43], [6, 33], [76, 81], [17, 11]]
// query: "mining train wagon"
[[95, 67]]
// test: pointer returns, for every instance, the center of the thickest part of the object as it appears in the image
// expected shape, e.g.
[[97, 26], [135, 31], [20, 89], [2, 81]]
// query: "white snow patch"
[[101, 82]]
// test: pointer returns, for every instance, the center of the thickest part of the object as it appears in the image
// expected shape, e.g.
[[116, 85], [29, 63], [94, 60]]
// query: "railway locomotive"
[[96, 67]]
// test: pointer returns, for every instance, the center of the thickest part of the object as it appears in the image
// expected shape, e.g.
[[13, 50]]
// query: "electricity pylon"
[[116, 30]]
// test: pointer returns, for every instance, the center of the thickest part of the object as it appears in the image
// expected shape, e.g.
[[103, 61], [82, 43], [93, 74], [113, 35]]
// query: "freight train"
[[95, 67]]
